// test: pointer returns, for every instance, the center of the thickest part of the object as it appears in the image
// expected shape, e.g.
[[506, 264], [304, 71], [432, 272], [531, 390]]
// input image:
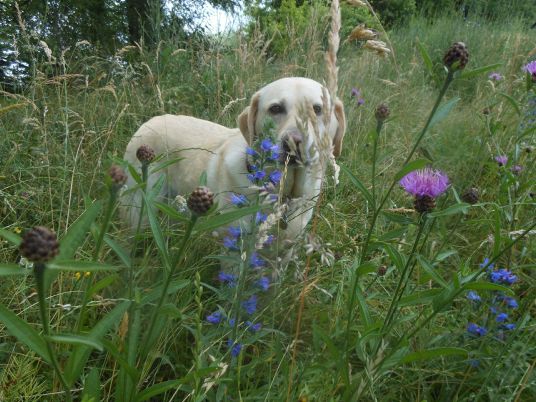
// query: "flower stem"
[[39, 272]]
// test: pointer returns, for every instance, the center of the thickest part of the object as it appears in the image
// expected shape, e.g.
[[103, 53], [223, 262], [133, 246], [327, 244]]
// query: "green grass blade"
[[357, 184], [477, 71], [427, 60], [216, 221], [431, 270], [433, 354], [443, 111], [81, 266], [76, 340], [118, 250], [12, 269], [11, 237]]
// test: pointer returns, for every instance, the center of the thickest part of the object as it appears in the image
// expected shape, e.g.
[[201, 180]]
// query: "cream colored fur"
[[220, 151]]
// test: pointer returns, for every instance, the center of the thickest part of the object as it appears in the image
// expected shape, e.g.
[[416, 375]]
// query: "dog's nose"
[[293, 137]]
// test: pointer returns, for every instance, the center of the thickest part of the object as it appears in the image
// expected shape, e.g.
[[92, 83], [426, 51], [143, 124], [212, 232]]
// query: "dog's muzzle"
[[291, 145]]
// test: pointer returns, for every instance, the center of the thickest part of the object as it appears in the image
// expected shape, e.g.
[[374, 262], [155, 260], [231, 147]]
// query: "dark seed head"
[[471, 195], [145, 154], [39, 245], [382, 112], [201, 200], [424, 204], [456, 57], [117, 175], [382, 270]]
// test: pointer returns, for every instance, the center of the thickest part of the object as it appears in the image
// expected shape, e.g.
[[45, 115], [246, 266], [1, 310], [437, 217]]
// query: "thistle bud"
[[145, 154], [382, 112], [39, 245], [118, 175], [456, 57], [424, 204], [382, 270], [201, 200], [471, 195]]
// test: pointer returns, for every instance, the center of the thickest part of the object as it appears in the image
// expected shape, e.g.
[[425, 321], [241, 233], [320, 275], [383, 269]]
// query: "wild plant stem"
[[39, 271], [377, 210], [374, 156]]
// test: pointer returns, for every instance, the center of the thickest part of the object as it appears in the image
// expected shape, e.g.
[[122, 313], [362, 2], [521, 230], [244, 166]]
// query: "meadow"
[[378, 302]]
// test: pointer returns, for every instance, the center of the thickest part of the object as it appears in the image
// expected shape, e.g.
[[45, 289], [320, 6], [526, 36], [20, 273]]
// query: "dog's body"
[[221, 152]]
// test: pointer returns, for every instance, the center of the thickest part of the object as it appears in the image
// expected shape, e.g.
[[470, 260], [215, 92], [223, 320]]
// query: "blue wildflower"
[[238, 200], [503, 276], [253, 327], [474, 362], [263, 283], [510, 302], [229, 279], [474, 329], [485, 264], [235, 347], [275, 176], [269, 240], [473, 296], [250, 305], [230, 243], [266, 145], [493, 310], [274, 155], [260, 217], [232, 322], [256, 261], [501, 317], [215, 317], [234, 231], [250, 151], [510, 326]]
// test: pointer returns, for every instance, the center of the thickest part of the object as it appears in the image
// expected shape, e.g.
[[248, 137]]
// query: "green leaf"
[[77, 232], [420, 297], [357, 184], [103, 283], [480, 70], [203, 178], [118, 250], [433, 353], [80, 354], [487, 286], [11, 237], [411, 166], [12, 269], [80, 266], [398, 218], [171, 212], [393, 234], [512, 102], [366, 268], [165, 164], [425, 58], [396, 258], [444, 255], [157, 232], [443, 111], [134, 173], [76, 340], [452, 210], [92, 385], [119, 358], [328, 341], [155, 293], [431, 270], [215, 221], [21, 330]]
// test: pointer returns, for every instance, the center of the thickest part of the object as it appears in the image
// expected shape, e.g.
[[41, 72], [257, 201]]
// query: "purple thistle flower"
[[473, 296], [238, 200], [215, 317], [250, 151], [516, 169], [253, 327], [495, 77], [235, 347], [266, 145], [425, 182], [234, 231], [510, 326], [229, 279], [256, 261], [356, 93], [230, 243], [531, 69], [263, 283], [260, 217], [502, 160], [275, 176], [477, 330], [250, 305], [501, 317], [510, 302]]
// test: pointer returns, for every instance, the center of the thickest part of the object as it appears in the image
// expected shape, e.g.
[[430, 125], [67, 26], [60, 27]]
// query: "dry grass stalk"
[[333, 48]]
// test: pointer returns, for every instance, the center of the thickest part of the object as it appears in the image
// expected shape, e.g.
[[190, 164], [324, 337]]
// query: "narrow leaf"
[[357, 184], [77, 266], [165, 164], [480, 70], [76, 340], [433, 353], [118, 250], [420, 297], [452, 210], [92, 385], [487, 286], [11, 237], [443, 111], [215, 221], [171, 212], [426, 58], [12, 269], [431, 270], [512, 102], [157, 232]]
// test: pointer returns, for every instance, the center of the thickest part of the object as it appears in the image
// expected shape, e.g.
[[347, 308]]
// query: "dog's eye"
[[317, 109], [276, 109]]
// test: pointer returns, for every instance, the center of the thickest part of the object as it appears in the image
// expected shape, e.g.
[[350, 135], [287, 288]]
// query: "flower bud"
[[39, 245], [382, 112], [456, 57], [118, 175], [201, 200], [145, 154]]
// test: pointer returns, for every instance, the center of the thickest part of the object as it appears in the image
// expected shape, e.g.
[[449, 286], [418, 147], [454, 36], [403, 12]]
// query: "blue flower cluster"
[[263, 173], [498, 306]]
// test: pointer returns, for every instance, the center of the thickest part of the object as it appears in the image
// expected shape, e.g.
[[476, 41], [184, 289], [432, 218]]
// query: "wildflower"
[[516, 169], [230, 243], [486, 264], [425, 185], [382, 112], [502, 160], [474, 329], [503, 276], [232, 322], [269, 240], [229, 279], [215, 317], [17, 230], [118, 176], [501, 317], [531, 69], [253, 327], [256, 261], [263, 283], [260, 217], [250, 305], [275, 176], [473, 296], [510, 326], [495, 77], [235, 347], [456, 57], [256, 175], [145, 154], [78, 275], [275, 151], [356, 93], [250, 151], [266, 145], [234, 231], [382, 270], [474, 363], [238, 200], [510, 302]]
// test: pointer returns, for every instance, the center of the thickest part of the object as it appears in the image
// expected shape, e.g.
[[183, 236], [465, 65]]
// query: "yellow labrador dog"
[[221, 152]]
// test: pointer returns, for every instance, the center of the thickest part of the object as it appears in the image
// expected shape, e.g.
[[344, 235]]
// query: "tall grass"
[[63, 131]]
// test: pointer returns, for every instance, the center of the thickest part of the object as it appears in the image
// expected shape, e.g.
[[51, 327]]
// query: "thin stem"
[[39, 272], [374, 155]]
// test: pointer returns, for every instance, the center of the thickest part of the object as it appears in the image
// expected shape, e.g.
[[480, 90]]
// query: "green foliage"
[[394, 12], [354, 16]]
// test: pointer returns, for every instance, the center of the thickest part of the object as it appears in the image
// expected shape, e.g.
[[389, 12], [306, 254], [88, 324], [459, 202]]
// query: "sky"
[[219, 21]]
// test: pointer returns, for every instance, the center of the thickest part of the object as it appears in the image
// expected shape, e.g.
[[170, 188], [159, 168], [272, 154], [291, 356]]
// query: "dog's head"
[[285, 101]]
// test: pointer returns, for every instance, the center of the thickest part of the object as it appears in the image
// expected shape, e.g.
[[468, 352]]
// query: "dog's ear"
[[341, 127], [247, 119]]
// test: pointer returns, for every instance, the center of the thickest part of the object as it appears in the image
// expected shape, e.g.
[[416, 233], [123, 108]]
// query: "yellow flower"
[[17, 230], [77, 275], [87, 274]]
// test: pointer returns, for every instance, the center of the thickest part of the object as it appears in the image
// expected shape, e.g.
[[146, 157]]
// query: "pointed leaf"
[[118, 250], [431, 270], [425, 58], [487, 286], [12, 269], [157, 232], [165, 164], [512, 102], [76, 340], [433, 353], [477, 71], [443, 111], [92, 386], [357, 184], [215, 221], [410, 167], [452, 210], [79, 266], [11, 237]]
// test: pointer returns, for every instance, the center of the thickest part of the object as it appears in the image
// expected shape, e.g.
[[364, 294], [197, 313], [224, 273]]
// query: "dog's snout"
[[291, 146], [292, 138]]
